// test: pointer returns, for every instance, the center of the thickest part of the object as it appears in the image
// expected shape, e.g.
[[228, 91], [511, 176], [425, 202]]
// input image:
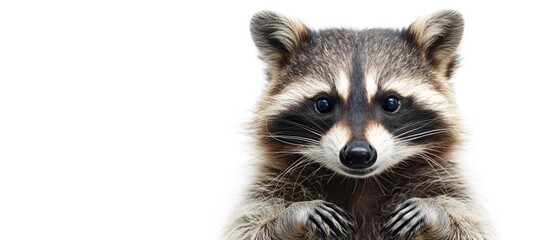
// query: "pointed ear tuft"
[[277, 37], [438, 36]]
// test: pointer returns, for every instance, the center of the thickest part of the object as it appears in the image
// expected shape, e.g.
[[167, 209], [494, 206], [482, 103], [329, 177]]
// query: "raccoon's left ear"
[[438, 36], [277, 38]]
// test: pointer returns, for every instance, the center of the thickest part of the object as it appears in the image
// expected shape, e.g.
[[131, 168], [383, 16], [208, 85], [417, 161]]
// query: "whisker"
[[288, 137], [382, 187], [423, 134], [293, 166], [320, 132], [298, 185], [413, 129]]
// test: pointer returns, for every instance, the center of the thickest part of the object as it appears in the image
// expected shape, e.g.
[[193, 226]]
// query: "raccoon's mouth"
[[359, 173]]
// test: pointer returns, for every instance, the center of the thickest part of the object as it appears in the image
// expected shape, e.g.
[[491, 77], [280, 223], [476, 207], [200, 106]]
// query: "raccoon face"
[[357, 102]]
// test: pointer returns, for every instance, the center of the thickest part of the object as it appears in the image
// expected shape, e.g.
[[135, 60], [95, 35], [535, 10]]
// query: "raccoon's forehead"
[[336, 56], [387, 52]]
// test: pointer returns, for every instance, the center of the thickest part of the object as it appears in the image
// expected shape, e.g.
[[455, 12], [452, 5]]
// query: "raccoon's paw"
[[416, 217], [325, 220]]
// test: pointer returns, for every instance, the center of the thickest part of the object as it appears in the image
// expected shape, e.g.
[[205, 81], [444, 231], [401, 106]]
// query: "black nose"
[[358, 155]]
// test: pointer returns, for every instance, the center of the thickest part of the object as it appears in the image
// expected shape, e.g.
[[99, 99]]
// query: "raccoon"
[[356, 133]]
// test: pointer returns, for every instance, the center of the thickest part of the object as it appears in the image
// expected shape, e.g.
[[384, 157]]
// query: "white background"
[[125, 119]]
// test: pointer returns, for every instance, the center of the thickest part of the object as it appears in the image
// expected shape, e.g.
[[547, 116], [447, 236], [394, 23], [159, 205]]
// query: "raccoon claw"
[[328, 221], [408, 220]]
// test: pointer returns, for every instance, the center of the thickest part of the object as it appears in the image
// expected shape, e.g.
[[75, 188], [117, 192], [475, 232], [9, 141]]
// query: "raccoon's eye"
[[391, 104], [323, 105]]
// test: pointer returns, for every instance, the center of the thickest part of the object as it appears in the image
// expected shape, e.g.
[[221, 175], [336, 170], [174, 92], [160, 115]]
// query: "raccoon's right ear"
[[277, 37]]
